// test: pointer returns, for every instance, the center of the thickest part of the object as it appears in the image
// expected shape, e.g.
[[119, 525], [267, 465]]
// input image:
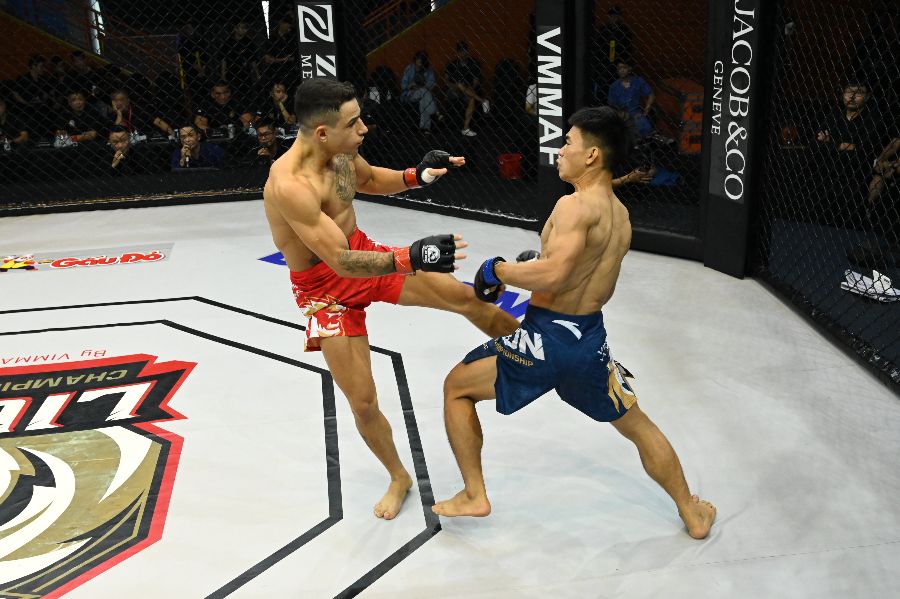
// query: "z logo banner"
[[316, 23], [85, 478]]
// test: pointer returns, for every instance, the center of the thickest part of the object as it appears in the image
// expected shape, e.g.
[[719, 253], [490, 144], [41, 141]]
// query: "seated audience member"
[[78, 121], [280, 57], [463, 76], [270, 147], [194, 153], [201, 124], [633, 96], [223, 109], [416, 87], [125, 159], [11, 129], [276, 109], [82, 76], [856, 138], [32, 93], [855, 126], [133, 118], [886, 172]]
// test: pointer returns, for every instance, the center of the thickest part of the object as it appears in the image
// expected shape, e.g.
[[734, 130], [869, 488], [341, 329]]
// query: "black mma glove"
[[416, 176], [487, 285], [528, 256], [436, 253]]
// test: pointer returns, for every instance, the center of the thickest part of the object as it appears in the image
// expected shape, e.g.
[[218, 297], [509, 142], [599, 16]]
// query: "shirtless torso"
[[607, 237], [333, 187]]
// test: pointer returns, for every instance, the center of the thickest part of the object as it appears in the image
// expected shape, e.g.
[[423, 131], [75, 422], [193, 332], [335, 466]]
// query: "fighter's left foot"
[[699, 517], [390, 504], [463, 505]]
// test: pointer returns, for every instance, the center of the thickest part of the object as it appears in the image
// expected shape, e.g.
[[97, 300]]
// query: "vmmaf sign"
[[316, 36], [85, 478]]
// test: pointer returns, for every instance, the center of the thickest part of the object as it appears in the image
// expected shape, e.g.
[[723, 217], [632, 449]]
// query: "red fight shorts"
[[335, 306]]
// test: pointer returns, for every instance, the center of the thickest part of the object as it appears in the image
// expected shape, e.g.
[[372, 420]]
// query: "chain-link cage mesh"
[[647, 61], [830, 217], [461, 79], [96, 94]]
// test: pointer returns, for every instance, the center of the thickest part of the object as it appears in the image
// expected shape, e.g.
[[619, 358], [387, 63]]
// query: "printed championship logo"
[[85, 478]]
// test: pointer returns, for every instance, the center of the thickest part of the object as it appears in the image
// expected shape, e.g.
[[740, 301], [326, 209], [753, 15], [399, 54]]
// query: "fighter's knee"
[[364, 406], [452, 384]]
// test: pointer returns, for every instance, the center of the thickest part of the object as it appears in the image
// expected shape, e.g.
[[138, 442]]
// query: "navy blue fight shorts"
[[563, 352]]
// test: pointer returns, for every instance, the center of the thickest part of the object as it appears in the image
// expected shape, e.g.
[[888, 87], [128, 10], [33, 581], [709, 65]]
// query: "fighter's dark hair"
[[318, 100], [602, 126]]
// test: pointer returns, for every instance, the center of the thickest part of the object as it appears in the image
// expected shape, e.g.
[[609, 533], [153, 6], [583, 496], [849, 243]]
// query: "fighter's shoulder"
[[285, 186]]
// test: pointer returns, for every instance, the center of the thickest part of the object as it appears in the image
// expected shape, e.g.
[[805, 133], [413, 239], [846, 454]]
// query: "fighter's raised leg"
[[445, 292]]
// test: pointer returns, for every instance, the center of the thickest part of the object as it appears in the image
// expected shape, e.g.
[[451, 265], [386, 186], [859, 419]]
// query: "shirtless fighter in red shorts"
[[337, 271]]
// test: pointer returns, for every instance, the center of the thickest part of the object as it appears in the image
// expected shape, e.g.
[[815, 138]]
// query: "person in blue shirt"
[[196, 154], [416, 85], [632, 95]]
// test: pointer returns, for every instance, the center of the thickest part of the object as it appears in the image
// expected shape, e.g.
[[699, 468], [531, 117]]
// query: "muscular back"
[[332, 187], [602, 219]]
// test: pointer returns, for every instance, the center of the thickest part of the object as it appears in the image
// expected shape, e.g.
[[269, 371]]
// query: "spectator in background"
[[132, 118], [58, 83], [78, 122], [237, 60], [125, 159], [855, 126], [223, 109], [416, 84], [853, 137], [82, 76], [269, 148], [886, 172], [201, 124], [631, 95], [613, 44], [280, 58], [194, 153], [11, 129], [32, 92], [276, 109], [463, 76]]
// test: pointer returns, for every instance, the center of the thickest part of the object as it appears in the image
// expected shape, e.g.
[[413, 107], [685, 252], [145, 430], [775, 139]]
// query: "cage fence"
[[829, 217]]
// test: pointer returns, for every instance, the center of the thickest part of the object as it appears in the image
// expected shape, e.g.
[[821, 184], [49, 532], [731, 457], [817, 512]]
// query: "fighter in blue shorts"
[[561, 344], [563, 352]]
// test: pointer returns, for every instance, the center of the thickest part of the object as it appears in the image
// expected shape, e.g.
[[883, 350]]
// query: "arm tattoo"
[[367, 263]]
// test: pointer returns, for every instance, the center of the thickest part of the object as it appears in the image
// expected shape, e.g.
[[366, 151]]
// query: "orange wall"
[[494, 30]]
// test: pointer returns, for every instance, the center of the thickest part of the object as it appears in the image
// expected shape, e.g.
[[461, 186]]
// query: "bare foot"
[[390, 504], [699, 517], [463, 505]]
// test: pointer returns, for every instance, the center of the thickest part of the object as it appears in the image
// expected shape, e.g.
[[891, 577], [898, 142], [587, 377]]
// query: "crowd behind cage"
[[229, 104]]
